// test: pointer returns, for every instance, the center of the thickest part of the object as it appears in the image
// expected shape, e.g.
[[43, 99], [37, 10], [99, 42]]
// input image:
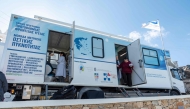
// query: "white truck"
[[32, 47]]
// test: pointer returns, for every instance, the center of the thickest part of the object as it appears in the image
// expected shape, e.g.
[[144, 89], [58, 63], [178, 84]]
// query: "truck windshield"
[[175, 74]]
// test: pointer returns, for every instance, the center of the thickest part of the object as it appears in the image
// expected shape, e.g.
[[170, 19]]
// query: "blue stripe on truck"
[[94, 60], [26, 51]]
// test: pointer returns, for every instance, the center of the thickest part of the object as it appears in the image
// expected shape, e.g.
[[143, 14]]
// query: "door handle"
[[140, 63], [174, 83]]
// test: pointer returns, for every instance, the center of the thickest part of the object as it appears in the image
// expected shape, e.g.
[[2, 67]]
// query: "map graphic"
[[81, 45]]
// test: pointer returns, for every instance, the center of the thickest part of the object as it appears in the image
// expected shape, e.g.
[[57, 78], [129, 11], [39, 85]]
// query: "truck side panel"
[[25, 51], [93, 70], [155, 68]]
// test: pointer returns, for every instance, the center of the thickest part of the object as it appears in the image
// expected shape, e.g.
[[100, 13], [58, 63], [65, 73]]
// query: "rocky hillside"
[[185, 71]]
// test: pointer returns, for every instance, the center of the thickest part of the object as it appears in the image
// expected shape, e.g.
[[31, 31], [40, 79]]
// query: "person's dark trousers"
[[127, 78], [61, 79]]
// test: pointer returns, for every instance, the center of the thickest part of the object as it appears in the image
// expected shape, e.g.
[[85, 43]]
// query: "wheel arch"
[[175, 89], [85, 89]]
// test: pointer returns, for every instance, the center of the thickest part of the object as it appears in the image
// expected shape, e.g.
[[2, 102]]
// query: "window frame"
[[102, 47], [151, 56]]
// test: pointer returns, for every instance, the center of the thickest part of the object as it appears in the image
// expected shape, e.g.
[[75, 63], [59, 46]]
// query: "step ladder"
[[126, 94], [138, 92]]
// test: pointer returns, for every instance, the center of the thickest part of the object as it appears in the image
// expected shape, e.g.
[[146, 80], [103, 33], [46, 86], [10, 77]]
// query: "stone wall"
[[181, 103]]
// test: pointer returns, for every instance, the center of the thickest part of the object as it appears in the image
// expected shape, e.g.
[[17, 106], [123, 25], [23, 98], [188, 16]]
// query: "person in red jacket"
[[126, 67]]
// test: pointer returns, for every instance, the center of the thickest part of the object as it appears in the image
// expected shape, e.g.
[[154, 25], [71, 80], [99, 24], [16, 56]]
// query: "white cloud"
[[143, 24], [154, 45], [3, 36], [152, 34], [134, 35], [148, 36]]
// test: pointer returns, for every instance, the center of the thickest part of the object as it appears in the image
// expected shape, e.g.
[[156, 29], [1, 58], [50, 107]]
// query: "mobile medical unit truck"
[[32, 48]]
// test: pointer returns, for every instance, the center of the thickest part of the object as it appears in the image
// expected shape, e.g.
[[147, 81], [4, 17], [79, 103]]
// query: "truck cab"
[[178, 86]]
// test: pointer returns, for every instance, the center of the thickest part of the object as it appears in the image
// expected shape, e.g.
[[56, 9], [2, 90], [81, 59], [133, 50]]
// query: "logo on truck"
[[81, 68], [107, 77], [96, 76]]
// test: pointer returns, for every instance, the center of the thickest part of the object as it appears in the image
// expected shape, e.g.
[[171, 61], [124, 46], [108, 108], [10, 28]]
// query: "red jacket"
[[125, 67]]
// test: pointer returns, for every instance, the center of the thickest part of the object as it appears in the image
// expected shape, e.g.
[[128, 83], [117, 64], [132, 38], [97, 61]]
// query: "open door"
[[71, 73], [135, 56]]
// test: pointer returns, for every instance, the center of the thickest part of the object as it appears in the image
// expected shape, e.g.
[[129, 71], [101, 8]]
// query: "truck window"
[[150, 57], [97, 47], [175, 74]]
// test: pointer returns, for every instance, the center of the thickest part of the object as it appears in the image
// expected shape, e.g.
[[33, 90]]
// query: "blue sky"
[[120, 17]]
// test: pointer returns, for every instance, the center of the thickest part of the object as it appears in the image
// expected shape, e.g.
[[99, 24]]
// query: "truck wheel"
[[173, 93], [85, 89]]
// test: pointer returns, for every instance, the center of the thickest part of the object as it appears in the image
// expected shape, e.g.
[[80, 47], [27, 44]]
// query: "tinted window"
[[153, 53], [175, 74], [97, 47], [146, 52], [97, 52], [151, 60], [150, 57]]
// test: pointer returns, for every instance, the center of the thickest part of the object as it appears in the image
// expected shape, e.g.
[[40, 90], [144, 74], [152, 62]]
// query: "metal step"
[[135, 92]]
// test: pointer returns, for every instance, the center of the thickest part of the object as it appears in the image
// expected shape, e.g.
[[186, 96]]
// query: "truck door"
[[135, 56], [71, 64]]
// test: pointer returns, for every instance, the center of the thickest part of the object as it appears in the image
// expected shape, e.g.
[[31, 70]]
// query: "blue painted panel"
[[160, 53]]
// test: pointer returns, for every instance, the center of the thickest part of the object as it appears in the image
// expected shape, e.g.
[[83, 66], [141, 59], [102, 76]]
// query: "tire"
[[173, 93], [85, 89]]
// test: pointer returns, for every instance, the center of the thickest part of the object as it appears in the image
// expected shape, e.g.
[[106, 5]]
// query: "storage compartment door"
[[27, 91], [135, 56]]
